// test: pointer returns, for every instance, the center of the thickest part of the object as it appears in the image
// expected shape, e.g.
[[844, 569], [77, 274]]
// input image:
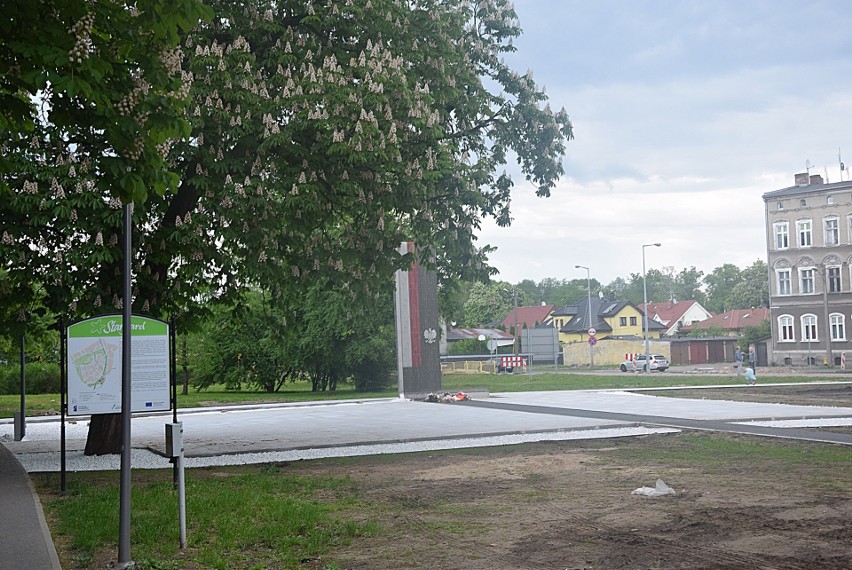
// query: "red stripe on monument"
[[414, 312]]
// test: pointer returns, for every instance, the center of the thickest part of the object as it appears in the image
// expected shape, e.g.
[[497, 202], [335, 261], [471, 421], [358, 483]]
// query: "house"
[[526, 317], [809, 247], [676, 314], [733, 322], [610, 319]]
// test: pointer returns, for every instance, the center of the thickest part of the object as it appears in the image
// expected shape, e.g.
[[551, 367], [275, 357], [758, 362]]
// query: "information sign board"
[[94, 365]]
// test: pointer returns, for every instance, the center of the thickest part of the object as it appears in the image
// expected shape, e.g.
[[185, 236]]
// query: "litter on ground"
[[659, 490]]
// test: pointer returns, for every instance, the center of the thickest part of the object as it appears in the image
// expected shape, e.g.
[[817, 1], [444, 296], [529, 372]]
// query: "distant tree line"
[[725, 288]]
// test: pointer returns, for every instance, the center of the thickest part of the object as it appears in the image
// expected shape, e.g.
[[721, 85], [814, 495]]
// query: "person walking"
[[738, 356]]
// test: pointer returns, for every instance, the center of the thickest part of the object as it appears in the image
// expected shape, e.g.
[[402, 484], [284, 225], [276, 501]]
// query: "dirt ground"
[[569, 505], [740, 502]]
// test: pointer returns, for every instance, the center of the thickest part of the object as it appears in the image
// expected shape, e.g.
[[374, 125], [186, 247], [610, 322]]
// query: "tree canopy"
[[273, 144]]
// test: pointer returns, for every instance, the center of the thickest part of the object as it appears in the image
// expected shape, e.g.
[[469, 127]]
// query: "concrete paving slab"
[[624, 402], [230, 431]]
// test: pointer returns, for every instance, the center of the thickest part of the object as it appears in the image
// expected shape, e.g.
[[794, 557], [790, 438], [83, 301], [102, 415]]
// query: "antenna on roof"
[[842, 166]]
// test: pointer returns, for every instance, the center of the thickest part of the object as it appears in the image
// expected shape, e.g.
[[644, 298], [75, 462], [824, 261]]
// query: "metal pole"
[[824, 273], [22, 427], [517, 336], [63, 387], [590, 325], [645, 297], [124, 491]]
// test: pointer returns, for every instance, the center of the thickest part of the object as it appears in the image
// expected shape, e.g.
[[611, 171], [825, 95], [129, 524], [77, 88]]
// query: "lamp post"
[[645, 296], [589, 321]]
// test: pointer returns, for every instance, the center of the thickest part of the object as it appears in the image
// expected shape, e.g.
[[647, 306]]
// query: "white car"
[[658, 362]]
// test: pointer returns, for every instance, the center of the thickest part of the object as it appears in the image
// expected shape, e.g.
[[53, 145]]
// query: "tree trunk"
[[104, 435]]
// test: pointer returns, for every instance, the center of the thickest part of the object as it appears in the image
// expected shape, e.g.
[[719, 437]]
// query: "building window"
[[632, 321], [832, 231], [804, 231], [838, 326], [780, 205], [785, 328], [809, 328], [622, 321], [784, 284], [806, 281], [832, 275], [782, 235], [829, 199], [803, 203]]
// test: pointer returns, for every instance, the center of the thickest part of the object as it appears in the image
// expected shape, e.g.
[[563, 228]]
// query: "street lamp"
[[514, 293], [589, 322], [645, 296]]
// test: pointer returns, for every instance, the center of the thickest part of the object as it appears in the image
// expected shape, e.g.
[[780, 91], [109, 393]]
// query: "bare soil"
[[569, 506], [741, 502]]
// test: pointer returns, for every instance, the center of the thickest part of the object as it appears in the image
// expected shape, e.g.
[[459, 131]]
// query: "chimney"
[[816, 179], [801, 179]]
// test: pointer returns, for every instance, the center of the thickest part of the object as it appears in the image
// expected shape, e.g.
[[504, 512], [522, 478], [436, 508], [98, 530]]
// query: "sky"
[[685, 113]]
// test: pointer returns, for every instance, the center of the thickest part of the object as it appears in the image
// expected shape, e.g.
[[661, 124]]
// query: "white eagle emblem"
[[430, 335]]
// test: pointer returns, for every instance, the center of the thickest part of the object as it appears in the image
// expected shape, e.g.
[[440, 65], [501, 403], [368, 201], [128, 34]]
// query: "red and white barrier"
[[513, 362]]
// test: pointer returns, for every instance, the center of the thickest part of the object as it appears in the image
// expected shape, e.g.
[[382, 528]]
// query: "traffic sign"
[[592, 332]]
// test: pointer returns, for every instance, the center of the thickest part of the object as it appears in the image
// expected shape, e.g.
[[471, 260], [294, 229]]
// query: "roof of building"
[[528, 316], [473, 334], [670, 312], [736, 319], [601, 309], [803, 189]]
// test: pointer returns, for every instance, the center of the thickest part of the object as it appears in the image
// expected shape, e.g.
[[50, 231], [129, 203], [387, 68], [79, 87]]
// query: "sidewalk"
[[24, 535]]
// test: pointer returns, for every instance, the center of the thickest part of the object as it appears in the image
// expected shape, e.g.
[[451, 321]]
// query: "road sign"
[[592, 332], [592, 341]]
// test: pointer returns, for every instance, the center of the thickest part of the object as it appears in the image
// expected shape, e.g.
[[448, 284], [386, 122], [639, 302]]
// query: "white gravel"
[[144, 459]]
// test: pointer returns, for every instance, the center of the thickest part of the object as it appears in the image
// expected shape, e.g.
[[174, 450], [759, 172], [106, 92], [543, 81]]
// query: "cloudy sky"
[[685, 113]]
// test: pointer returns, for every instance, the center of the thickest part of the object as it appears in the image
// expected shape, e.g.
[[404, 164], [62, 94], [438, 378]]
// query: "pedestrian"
[[750, 376], [738, 356]]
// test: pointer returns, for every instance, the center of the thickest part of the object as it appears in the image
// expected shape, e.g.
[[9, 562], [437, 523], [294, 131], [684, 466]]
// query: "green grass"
[[715, 451], [281, 519], [48, 404], [568, 381]]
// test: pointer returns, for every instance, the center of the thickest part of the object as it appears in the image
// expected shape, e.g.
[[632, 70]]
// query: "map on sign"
[[96, 362]]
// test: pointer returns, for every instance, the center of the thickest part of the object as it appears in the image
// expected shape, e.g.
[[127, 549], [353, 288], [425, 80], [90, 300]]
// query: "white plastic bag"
[[659, 490]]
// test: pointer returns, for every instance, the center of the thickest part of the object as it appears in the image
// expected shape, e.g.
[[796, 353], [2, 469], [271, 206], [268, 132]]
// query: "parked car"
[[658, 362]]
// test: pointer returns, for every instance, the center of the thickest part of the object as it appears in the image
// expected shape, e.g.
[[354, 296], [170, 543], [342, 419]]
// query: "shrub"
[[40, 378]]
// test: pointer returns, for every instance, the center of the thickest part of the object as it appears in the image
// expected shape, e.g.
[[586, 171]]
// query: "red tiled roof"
[[529, 316], [736, 319], [668, 312]]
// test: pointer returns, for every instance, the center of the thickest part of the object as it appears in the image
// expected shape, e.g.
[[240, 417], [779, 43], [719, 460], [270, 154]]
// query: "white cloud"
[[685, 114]]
